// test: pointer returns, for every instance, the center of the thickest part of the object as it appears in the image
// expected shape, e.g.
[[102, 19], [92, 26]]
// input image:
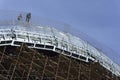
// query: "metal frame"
[[57, 44]]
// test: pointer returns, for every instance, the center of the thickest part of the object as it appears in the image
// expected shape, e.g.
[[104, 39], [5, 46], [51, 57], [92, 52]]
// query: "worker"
[[13, 34], [28, 17], [19, 17]]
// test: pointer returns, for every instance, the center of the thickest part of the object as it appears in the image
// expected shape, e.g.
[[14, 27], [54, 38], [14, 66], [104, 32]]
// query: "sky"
[[99, 19]]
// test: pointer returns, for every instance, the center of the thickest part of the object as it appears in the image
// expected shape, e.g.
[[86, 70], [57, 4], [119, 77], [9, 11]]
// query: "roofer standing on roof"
[[19, 17], [28, 17]]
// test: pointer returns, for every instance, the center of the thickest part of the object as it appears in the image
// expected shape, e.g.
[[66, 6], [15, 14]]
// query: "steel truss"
[[23, 63]]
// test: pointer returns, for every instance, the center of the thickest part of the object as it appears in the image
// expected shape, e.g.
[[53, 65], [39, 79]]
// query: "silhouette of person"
[[28, 17], [19, 17]]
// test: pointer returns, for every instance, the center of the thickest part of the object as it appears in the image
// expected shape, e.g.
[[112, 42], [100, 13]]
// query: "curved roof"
[[9, 18], [50, 28]]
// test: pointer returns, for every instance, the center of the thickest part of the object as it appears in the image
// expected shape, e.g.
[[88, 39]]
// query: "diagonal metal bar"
[[16, 62]]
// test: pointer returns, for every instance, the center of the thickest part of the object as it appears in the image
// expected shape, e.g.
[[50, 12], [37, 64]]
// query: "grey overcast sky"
[[99, 19]]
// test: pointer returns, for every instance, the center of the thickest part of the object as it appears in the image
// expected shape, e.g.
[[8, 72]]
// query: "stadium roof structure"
[[47, 37]]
